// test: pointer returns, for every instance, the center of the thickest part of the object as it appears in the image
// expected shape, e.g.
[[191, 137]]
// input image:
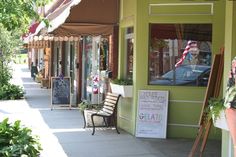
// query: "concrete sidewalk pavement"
[[62, 135]]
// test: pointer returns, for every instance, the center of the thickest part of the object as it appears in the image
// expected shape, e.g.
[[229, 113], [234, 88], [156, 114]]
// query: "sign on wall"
[[60, 91], [152, 114]]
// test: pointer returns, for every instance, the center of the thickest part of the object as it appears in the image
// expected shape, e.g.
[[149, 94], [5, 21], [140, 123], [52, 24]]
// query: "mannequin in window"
[[193, 56]]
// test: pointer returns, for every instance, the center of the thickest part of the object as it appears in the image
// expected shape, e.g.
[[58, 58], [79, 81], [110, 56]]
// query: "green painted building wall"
[[126, 109], [185, 103]]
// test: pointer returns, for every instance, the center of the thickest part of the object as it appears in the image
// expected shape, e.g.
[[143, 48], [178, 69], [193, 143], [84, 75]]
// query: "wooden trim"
[[63, 50], [165, 9], [52, 56], [79, 69], [113, 52]]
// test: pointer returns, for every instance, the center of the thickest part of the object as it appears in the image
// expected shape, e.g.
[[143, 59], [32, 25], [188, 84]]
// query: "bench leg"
[[84, 119], [93, 124], [115, 123], [104, 119]]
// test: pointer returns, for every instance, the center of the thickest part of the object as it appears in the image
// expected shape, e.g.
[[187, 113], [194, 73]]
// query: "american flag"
[[190, 44]]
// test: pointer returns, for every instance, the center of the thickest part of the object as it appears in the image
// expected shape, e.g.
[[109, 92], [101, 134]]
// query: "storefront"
[[39, 54], [162, 32], [163, 46], [87, 60], [64, 54], [169, 38]]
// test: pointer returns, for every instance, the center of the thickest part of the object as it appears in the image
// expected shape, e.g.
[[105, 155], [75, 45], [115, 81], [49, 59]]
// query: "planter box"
[[221, 122], [98, 121], [124, 90]]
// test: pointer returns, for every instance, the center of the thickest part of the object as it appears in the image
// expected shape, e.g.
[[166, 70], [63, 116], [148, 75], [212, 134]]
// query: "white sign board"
[[152, 114]]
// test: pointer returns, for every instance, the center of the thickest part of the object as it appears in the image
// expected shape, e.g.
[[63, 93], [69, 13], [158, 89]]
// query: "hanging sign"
[[152, 114], [60, 94]]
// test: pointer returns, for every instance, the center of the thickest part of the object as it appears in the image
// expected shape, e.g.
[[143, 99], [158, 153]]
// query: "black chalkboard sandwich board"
[[60, 91]]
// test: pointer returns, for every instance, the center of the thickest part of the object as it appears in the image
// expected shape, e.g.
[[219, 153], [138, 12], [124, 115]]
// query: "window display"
[[95, 65], [129, 42], [180, 54]]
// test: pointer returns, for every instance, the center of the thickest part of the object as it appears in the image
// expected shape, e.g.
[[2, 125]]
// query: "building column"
[[230, 53]]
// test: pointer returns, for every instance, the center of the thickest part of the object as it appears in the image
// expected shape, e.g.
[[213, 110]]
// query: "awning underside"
[[78, 29], [90, 17], [76, 18]]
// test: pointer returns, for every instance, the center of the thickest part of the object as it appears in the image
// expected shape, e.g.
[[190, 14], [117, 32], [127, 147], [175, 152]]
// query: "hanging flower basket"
[[216, 111], [221, 122]]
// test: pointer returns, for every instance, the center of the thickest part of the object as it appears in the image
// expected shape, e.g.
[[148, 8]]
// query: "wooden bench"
[[108, 111]]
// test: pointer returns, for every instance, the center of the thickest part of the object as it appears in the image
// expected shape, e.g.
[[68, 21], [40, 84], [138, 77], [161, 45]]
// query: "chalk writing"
[[152, 114]]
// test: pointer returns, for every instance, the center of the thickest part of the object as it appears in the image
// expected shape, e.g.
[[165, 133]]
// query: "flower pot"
[[123, 90], [98, 121], [221, 121]]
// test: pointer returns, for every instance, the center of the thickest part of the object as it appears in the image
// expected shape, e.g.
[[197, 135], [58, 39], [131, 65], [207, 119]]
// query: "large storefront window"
[[129, 42], [180, 54]]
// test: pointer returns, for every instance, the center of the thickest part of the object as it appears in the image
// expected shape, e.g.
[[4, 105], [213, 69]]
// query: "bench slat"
[[111, 97], [110, 100], [103, 113], [107, 111], [113, 94], [108, 107], [109, 104]]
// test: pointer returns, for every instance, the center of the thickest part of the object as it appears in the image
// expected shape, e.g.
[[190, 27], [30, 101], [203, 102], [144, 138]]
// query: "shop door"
[[69, 63], [67, 59], [86, 65], [91, 82], [72, 66], [57, 59]]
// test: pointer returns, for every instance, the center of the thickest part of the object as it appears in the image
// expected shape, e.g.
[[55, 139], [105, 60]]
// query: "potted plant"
[[87, 109], [38, 77], [124, 87], [216, 112]]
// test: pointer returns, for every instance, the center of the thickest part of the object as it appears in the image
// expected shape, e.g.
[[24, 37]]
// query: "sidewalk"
[[62, 135]]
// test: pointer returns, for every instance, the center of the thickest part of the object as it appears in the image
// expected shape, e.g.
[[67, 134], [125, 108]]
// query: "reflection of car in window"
[[194, 75]]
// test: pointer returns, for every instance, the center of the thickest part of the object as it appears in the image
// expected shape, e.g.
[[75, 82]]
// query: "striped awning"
[[55, 18], [53, 38], [39, 44], [58, 17], [45, 41]]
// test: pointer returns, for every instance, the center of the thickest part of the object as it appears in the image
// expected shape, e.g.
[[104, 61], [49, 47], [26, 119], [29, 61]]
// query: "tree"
[[9, 43], [18, 14], [15, 18]]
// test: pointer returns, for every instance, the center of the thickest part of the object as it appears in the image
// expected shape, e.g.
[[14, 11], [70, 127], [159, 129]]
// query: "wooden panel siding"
[[181, 9]]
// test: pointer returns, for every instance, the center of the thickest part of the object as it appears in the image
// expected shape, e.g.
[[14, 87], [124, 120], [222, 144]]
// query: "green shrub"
[[11, 92], [5, 75], [17, 141], [122, 81], [86, 105]]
